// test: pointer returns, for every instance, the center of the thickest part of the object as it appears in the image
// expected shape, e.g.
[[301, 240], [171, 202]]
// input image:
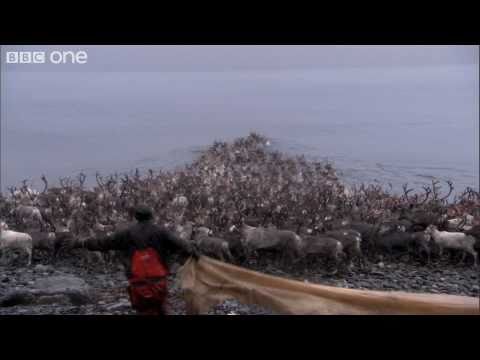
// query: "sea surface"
[[388, 125]]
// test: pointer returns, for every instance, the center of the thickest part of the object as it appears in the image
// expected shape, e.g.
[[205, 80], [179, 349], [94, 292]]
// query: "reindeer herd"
[[242, 199]]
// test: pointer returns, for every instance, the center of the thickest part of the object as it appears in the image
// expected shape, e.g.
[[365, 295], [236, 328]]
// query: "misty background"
[[381, 113]]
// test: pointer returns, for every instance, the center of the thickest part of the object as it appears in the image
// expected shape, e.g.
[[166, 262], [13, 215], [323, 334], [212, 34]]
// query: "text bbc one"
[[41, 57]]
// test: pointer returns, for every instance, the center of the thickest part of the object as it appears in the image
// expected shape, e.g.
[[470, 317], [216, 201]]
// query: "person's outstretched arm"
[[116, 241]]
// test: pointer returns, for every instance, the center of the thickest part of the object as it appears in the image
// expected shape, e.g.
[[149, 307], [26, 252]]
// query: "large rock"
[[61, 283], [55, 289], [123, 304], [42, 268]]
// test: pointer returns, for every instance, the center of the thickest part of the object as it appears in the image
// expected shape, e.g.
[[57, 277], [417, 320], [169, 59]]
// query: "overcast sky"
[[246, 57]]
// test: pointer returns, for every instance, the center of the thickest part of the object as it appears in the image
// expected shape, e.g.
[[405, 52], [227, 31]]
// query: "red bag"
[[147, 264], [148, 283]]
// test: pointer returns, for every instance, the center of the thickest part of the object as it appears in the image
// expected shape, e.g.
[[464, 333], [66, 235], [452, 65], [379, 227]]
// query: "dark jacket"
[[140, 236]]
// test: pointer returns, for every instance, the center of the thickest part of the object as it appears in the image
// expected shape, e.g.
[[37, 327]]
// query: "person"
[[145, 248]]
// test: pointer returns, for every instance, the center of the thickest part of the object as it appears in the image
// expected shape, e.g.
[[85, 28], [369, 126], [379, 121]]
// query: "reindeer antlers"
[[450, 185], [435, 189], [406, 191], [65, 182], [81, 178], [44, 179], [99, 180], [12, 190], [24, 182], [428, 191], [125, 179]]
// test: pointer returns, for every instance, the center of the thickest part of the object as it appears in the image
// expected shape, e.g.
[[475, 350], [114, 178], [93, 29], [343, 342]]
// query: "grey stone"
[[15, 298], [65, 289], [53, 299], [121, 305], [42, 268], [62, 283]]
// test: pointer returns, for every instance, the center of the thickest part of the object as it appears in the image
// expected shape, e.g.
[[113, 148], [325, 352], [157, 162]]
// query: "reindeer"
[[212, 245], [10, 239], [453, 240]]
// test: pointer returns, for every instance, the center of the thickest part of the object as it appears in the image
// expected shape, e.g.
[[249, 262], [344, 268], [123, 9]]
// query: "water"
[[391, 125]]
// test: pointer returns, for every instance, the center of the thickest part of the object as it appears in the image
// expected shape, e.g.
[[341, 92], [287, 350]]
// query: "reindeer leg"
[[284, 259], [428, 256], [362, 260], [410, 253], [230, 257], [475, 257], [291, 259], [29, 252], [336, 266], [350, 262]]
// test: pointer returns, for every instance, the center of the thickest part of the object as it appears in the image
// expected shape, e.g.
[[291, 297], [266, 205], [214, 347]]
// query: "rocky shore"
[[100, 290]]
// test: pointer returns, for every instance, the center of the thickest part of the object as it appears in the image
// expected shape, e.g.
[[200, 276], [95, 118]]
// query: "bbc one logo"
[[41, 57]]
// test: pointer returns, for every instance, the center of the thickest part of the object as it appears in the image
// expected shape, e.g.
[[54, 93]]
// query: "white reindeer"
[[64, 226], [185, 231], [28, 213], [98, 227], [460, 223], [453, 240], [15, 240], [180, 201], [254, 239], [3, 225]]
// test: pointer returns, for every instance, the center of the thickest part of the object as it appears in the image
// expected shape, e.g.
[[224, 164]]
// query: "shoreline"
[[227, 184]]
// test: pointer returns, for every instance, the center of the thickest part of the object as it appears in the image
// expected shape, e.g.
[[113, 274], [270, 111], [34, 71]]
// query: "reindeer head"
[[430, 229], [233, 229], [202, 230]]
